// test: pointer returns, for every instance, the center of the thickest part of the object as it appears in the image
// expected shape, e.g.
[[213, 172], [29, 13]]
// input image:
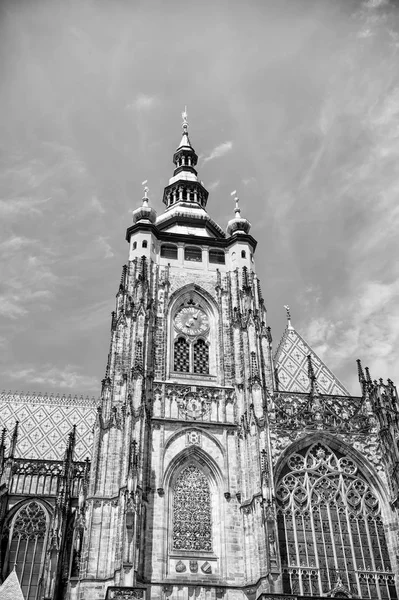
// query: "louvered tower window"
[[330, 528], [192, 519], [181, 356], [201, 357], [28, 533]]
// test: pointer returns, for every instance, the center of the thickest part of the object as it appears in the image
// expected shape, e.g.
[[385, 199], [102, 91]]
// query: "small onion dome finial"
[[144, 212], [238, 224]]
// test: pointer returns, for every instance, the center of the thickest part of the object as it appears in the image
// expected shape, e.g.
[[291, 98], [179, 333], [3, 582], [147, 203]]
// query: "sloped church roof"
[[44, 423], [11, 589], [291, 366]]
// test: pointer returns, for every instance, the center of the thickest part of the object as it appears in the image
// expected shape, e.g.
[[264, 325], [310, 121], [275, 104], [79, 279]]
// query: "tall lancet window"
[[331, 534], [27, 537], [192, 521]]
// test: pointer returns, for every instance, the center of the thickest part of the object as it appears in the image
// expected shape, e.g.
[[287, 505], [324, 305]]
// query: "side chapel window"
[[191, 344], [27, 537], [330, 528], [192, 519]]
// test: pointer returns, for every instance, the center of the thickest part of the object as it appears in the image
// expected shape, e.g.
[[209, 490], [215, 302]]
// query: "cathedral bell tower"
[[179, 503]]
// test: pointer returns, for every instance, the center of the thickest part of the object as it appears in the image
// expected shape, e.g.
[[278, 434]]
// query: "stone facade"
[[216, 470]]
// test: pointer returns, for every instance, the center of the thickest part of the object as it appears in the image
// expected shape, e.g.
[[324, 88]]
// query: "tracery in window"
[[192, 339], [192, 520], [201, 357], [28, 534], [330, 527], [181, 361]]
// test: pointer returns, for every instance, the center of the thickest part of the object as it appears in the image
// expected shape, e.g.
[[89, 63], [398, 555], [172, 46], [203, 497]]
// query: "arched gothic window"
[[192, 519], [26, 546], [330, 528], [192, 338]]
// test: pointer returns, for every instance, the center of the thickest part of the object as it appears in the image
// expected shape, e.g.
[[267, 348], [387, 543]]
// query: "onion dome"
[[145, 212], [238, 224]]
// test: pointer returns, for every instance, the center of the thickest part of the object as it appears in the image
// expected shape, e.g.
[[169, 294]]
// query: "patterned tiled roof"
[[45, 422], [291, 365], [10, 589]]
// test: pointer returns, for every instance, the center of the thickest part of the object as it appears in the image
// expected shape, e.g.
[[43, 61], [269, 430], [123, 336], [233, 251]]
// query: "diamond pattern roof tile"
[[291, 365], [45, 422], [11, 589]]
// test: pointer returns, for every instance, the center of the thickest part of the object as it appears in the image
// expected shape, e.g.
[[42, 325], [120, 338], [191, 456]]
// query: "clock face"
[[191, 320]]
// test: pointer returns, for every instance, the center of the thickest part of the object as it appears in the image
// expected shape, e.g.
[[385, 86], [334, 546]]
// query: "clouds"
[[306, 116], [143, 102], [219, 151], [28, 278], [70, 377], [13, 207], [105, 246]]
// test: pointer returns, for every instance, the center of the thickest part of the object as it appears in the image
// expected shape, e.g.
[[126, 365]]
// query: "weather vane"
[[184, 117], [146, 190], [237, 208], [287, 308]]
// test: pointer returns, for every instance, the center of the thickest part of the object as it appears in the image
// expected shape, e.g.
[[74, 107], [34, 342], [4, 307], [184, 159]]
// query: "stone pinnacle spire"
[[185, 140]]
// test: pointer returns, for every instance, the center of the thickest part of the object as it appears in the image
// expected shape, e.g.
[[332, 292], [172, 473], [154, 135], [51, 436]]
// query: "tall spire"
[[184, 186], [185, 140]]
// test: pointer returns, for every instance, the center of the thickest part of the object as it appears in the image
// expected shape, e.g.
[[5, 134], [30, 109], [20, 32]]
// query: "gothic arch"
[[336, 445], [190, 472], [188, 291], [198, 455], [330, 508], [26, 532], [183, 432], [188, 354]]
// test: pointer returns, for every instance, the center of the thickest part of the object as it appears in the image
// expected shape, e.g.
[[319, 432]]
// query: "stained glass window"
[[201, 357], [181, 356], [28, 534], [330, 528], [192, 521]]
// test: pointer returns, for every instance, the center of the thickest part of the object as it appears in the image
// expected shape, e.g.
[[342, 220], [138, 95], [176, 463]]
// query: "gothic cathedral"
[[212, 468]]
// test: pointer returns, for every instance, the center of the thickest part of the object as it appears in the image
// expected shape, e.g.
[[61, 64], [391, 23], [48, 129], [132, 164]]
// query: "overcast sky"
[[294, 103]]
